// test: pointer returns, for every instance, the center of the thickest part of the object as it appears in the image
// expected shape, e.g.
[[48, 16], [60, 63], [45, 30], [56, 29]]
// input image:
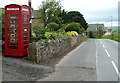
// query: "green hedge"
[[72, 27], [53, 26]]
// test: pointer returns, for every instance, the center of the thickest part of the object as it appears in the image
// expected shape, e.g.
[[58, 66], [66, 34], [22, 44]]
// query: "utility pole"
[[111, 22], [29, 4], [97, 26]]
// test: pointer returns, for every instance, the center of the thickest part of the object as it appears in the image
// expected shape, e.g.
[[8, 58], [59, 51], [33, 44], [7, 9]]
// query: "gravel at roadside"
[[15, 69]]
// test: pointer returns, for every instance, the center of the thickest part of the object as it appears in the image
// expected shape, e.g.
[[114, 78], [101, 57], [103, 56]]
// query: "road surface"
[[107, 60], [94, 60]]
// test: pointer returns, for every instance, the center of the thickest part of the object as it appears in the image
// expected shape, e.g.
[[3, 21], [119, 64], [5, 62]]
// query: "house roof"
[[35, 14]]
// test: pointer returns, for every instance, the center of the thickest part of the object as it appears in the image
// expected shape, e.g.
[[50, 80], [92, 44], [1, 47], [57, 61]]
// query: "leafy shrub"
[[100, 32], [38, 33], [114, 36], [55, 35], [90, 34], [72, 33], [73, 27], [51, 35], [53, 26], [62, 34], [48, 34], [2, 24], [33, 34]]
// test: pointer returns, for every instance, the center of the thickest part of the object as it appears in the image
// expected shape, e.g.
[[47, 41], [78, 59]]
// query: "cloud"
[[102, 15], [89, 5], [93, 10]]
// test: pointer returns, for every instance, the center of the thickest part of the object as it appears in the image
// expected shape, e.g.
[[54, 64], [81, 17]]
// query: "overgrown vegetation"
[[58, 23], [55, 22], [50, 11], [53, 26], [72, 27], [90, 34], [96, 34], [72, 33], [2, 24], [55, 35], [114, 36], [100, 32], [74, 16]]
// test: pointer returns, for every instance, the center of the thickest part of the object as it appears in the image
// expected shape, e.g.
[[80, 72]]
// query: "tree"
[[53, 26], [74, 16], [64, 16], [2, 24], [73, 27], [38, 31], [100, 32], [90, 34], [50, 11]]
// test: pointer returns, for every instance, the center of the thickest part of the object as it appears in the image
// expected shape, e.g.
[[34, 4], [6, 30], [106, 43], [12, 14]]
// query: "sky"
[[94, 11]]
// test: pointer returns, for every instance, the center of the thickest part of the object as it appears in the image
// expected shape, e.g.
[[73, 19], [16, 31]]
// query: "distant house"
[[35, 14], [35, 18], [94, 27], [109, 32]]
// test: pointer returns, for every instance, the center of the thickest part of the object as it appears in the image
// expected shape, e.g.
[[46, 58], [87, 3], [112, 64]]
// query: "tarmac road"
[[107, 60], [94, 60]]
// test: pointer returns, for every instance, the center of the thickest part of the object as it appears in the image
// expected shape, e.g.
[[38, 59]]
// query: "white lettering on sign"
[[24, 9], [12, 8]]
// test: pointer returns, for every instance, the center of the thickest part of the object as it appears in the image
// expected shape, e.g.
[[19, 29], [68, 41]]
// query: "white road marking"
[[107, 52], [96, 49], [103, 46], [116, 69], [113, 63]]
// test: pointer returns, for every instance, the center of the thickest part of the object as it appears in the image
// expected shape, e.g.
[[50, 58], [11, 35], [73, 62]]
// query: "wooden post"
[[29, 4]]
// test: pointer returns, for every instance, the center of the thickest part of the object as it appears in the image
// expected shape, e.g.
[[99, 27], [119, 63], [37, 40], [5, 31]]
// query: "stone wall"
[[45, 49]]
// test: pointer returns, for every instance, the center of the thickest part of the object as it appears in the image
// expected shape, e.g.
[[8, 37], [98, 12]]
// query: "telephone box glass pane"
[[13, 16], [13, 35], [13, 21], [13, 30], [25, 20], [12, 25], [25, 25]]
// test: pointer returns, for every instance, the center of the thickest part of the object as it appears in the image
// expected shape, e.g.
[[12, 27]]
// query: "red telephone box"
[[17, 29]]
